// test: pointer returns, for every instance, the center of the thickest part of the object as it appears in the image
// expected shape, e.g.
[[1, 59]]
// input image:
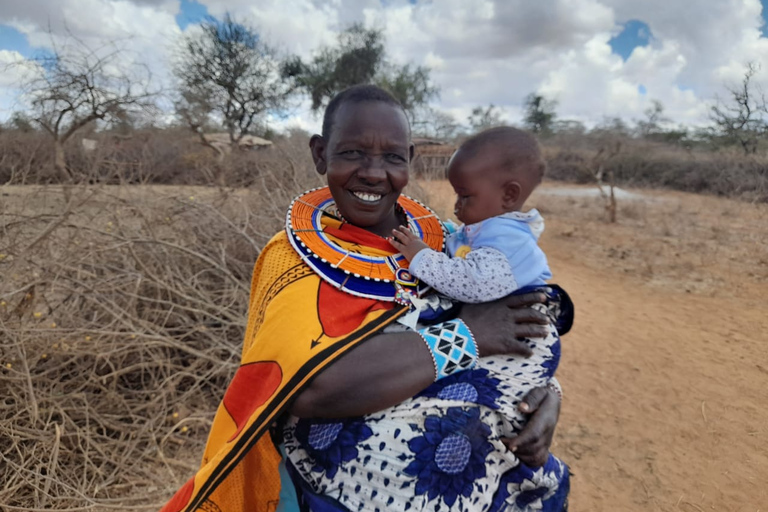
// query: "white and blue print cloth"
[[438, 451]]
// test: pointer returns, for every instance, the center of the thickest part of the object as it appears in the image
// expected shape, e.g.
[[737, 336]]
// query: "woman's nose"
[[373, 170]]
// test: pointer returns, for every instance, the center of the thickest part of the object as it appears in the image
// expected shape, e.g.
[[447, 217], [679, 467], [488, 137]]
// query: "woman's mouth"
[[367, 197]]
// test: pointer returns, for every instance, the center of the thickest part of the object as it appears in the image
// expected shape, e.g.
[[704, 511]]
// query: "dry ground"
[[665, 371]]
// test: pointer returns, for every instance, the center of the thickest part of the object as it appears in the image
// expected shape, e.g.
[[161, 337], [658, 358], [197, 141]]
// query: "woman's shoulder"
[[278, 252]]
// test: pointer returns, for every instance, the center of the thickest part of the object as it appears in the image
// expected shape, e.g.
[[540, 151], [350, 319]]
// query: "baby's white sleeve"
[[484, 275]]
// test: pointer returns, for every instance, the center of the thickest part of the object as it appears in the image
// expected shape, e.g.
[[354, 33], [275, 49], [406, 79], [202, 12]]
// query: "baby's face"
[[479, 191]]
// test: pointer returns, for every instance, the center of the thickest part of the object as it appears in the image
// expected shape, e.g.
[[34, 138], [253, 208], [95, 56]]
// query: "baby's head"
[[494, 172]]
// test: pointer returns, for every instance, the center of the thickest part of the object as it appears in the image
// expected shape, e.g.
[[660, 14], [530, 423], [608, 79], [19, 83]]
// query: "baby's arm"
[[484, 275]]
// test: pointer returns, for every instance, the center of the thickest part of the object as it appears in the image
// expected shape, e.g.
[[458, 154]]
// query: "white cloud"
[[480, 51], [14, 68], [295, 26], [144, 32]]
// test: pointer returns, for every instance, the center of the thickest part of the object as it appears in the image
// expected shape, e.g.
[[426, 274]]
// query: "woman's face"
[[366, 159]]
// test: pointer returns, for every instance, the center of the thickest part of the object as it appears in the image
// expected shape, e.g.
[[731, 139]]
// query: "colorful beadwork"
[[452, 346], [359, 274]]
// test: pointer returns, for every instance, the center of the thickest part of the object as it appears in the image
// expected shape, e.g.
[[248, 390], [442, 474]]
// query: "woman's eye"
[[351, 153], [394, 157]]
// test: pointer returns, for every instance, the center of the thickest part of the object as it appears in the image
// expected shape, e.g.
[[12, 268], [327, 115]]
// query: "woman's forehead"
[[370, 119]]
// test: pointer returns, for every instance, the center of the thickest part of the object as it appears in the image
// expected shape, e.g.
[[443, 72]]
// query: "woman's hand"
[[497, 325], [532, 445]]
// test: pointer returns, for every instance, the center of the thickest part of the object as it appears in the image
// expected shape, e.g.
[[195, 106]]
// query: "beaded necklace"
[[384, 277]]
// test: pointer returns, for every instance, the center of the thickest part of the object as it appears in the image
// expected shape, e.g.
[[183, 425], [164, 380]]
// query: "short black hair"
[[357, 94], [519, 149]]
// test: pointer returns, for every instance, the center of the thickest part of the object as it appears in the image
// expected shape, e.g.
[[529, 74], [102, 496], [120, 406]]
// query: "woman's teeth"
[[368, 198]]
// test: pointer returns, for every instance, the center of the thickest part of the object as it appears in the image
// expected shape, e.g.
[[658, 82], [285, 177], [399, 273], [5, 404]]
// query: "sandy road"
[[666, 397]]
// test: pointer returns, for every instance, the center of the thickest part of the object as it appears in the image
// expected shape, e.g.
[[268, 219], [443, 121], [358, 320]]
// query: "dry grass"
[[121, 318], [122, 313], [175, 156], [725, 173]]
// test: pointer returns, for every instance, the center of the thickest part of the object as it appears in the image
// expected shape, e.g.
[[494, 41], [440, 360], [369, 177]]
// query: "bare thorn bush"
[[122, 313]]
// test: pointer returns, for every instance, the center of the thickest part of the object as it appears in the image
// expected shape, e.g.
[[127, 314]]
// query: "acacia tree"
[[654, 118], [437, 124], [227, 74], [74, 85], [539, 113], [601, 172], [742, 118], [483, 118], [359, 57]]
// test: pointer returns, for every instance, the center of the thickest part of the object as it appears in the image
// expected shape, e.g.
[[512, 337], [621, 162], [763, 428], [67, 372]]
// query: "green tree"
[[410, 85], [226, 73], [359, 57], [539, 113]]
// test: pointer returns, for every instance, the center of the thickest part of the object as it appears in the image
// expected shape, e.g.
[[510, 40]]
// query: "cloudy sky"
[[597, 58]]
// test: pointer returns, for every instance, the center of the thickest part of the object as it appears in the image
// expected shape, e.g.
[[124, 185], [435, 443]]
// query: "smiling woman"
[[366, 165], [365, 412]]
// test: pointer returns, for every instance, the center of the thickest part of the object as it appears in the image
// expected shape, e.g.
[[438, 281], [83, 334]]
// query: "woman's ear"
[[512, 193], [411, 152], [317, 146]]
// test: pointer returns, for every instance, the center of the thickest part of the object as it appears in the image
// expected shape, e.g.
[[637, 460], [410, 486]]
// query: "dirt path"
[[666, 397], [666, 370]]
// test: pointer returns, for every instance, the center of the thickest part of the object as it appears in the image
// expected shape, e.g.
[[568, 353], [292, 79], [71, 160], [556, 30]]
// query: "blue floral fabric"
[[440, 450], [449, 456], [332, 443]]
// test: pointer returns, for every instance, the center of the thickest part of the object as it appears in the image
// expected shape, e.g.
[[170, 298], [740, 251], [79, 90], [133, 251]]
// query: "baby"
[[495, 252]]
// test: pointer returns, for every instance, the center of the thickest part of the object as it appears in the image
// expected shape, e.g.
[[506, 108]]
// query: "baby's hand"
[[406, 242]]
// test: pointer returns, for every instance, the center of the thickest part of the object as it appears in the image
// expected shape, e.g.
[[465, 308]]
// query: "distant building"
[[222, 143], [431, 158]]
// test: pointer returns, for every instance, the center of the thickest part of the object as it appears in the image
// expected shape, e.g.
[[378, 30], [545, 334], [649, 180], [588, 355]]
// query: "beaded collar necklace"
[[373, 277]]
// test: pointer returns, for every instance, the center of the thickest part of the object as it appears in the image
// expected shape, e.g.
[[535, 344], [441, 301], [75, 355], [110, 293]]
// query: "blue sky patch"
[[191, 12], [13, 40], [635, 33], [642, 90], [765, 17]]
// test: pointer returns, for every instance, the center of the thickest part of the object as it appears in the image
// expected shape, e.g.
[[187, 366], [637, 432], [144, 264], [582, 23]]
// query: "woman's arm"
[[390, 368], [381, 372]]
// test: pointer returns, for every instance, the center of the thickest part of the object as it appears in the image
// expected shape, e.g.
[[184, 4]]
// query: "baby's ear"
[[512, 193], [318, 146]]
